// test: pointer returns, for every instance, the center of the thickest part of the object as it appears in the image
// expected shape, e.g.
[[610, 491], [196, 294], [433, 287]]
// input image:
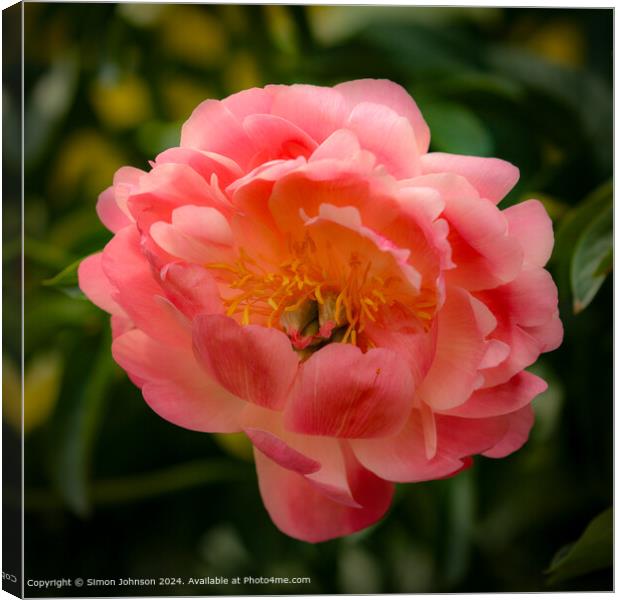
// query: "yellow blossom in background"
[[193, 36], [560, 42], [87, 160], [182, 95], [42, 381], [242, 72], [121, 103]]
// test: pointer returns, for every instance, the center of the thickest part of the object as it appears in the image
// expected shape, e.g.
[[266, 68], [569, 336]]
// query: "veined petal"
[[343, 393], [253, 362], [302, 511]]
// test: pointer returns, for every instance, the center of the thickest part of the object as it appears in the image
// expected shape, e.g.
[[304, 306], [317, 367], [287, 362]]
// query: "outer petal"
[[529, 222], [109, 212], [485, 255], [392, 95], [300, 510], [320, 459], [519, 426], [549, 335], [404, 457], [505, 398], [492, 177], [174, 385], [253, 362], [95, 284], [139, 294], [316, 110], [388, 136], [213, 127], [341, 392]]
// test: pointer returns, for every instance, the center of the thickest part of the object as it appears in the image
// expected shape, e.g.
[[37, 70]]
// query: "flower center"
[[300, 296]]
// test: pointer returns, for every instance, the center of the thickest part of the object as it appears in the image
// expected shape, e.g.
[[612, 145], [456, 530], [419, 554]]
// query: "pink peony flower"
[[301, 269]]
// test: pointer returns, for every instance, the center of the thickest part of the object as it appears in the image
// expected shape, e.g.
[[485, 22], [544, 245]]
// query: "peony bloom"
[[301, 269]]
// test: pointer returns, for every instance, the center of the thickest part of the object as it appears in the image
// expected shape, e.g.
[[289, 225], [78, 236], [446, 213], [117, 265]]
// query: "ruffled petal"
[[388, 136], [95, 284], [392, 95], [518, 430], [253, 362], [213, 127], [343, 393], [492, 177], [404, 457], [302, 511], [138, 292], [502, 399], [529, 222], [316, 110], [174, 385]]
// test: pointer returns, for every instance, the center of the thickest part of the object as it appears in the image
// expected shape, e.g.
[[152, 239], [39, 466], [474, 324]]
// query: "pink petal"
[[301, 511], [524, 350], [318, 111], [483, 251], [206, 164], [388, 136], [502, 399], [404, 456], [198, 234], [321, 455], [529, 222], [174, 385], [281, 453], [495, 353], [520, 424], [277, 137], [343, 393], [530, 300], [95, 284], [109, 212], [169, 186], [192, 289], [129, 271], [460, 349], [213, 127], [253, 362], [492, 177], [549, 335], [392, 95], [249, 102], [342, 144], [416, 346]]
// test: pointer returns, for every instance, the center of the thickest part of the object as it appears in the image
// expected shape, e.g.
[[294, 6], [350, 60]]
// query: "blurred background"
[[114, 491]]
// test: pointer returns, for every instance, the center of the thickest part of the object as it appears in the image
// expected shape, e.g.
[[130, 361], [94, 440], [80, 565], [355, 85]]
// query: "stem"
[[135, 488]]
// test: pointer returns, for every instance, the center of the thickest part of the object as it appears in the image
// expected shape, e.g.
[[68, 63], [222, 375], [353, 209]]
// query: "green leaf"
[[73, 459], [66, 281], [591, 552], [458, 130], [591, 260], [572, 227]]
